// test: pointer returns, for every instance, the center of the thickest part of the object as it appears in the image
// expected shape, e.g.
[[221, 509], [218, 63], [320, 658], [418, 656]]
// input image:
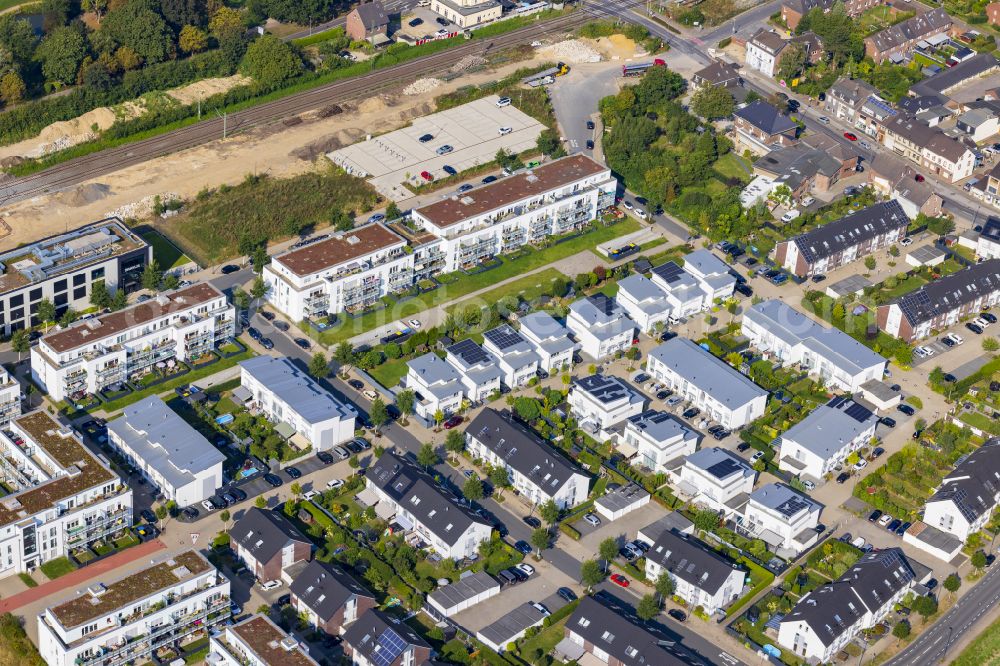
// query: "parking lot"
[[472, 131], [428, 26]]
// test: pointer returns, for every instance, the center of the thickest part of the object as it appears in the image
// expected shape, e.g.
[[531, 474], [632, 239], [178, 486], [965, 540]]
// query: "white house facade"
[[437, 384], [600, 325], [781, 517], [600, 402], [966, 498], [515, 356], [823, 439], [477, 369], [718, 479], [702, 577], [660, 440], [550, 340]]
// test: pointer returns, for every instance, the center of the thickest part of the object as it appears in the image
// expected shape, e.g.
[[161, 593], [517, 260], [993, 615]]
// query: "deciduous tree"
[[60, 54], [648, 608], [269, 61], [713, 102], [192, 39]]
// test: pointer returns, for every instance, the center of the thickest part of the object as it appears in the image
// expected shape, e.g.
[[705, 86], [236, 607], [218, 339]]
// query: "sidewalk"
[[76, 579]]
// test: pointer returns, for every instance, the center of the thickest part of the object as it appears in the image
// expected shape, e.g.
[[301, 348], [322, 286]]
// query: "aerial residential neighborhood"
[[488, 333]]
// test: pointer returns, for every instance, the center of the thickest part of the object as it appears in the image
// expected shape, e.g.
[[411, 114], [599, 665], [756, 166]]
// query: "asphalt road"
[[74, 172], [933, 645]]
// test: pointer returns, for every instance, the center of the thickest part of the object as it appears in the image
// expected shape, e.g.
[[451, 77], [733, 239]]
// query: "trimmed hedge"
[[570, 531]]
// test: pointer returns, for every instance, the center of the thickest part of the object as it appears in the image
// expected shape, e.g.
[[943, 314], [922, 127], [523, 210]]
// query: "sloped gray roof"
[[707, 372], [623, 636], [848, 231], [951, 291], [372, 15], [766, 118], [325, 589], [974, 483], [264, 533], [691, 561]]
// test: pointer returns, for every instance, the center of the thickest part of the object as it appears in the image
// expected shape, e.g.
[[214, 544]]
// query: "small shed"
[[470, 590], [926, 255], [880, 394], [622, 501]]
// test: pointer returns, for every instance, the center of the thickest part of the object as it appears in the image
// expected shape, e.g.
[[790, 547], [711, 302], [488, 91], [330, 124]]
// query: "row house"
[[349, 271], [377, 639], [988, 189], [328, 598], [406, 495], [555, 198], [63, 497], [515, 356], [987, 247], [10, 398], [895, 42], [711, 385], [166, 603], [815, 164], [939, 304], [760, 128], [846, 97], [929, 147], [106, 350], [538, 473], [843, 241], [702, 577], [821, 441], [966, 499], [895, 179], [268, 544], [64, 269], [792, 11], [283, 393], [477, 369], [827, 619], [608, 631], [782, 332]]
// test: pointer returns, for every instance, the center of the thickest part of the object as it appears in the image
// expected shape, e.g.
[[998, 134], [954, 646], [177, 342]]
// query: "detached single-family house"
[[718, 479], [377, 639], [702, 577], [660, 440], [719, 73], [644, 302], [760, 128], [782, 518], [437, 384], [480, 374], [600, 402], [368, 21], [683, 296], [600, 325], [839, 360], [823, 439], [514, 354], [537, 471], [550, 340], [268, 543], [711, 385], [328, 598], [825, 620]]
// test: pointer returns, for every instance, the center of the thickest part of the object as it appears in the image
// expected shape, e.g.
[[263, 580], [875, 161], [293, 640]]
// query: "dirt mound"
[[616, 47], [421, 86], [85, 194], [314, 149], [372, 105], [102, 117], [203, 89], [417, 111], [571, 50]]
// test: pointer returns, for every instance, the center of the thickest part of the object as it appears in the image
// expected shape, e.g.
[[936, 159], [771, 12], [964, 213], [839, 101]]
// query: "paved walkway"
[[76, 579]]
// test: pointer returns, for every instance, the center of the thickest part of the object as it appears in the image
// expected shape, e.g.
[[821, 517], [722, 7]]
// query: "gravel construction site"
[[472, 131]]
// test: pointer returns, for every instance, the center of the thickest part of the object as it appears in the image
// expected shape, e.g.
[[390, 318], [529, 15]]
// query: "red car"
[[452, 422], [850, 137], [919, 178], [426, 175], [619, 580]]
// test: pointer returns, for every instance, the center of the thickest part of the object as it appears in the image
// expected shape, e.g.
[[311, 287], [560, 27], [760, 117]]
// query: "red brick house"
[[367, 21], [993, 13], [267, 542], [792, 11], [329, 598], [374, 641], [761, 128]]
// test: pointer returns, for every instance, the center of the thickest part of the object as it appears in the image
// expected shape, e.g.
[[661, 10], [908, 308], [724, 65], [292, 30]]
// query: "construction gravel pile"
[[421, 86], [142, 207], [468, 62], [571, 50]]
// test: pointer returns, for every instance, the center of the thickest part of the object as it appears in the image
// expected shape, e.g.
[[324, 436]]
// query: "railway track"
[[76, 171]]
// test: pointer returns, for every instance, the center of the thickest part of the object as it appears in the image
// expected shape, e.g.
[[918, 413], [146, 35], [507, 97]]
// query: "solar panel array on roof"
[[504, 337], [388, 648], [950, 292], [669, 271], [848, 231], [470, 352], [602, 303], [792, 506], [858, 413], [723, 468]]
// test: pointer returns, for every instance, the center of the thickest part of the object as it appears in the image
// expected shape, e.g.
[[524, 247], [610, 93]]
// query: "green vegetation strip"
[[763, 578], [167, 254], [984, 651], [15, 646], [60, 566]]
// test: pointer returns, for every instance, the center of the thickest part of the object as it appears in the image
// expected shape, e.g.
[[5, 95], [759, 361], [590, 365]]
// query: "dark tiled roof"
[[919, 27], [718, 72], [974, 483], [766, 118], [832, 608], [372, 15], [803, 6], [325, 589], [402, 482], [622, 635], [925, 136], [264, 533], [950, 292], [523, 450], [373, 636], [852, 91], [691, 561], [867, 223], [769, 41], [991, 230]]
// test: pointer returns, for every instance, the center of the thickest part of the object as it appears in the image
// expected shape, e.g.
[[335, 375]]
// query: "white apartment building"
[[514, 354], [63, 496], [660, 440], [537, 472], [550, 340], [601, 402], [479, 371], [468, 13], [600, 325], [701, 576], [10, 398], [348, 271], [934, 151], [840, 361], [822, 440], [716, 478], [437, 384], [555, 198], [966, 498], [644, 302], [763, 51], [825, 620], [286, 394], [63, 269], [401, 492], [93, 354], [782, 518], [256, 641], [711, 385], [172, 601], [174, 457]]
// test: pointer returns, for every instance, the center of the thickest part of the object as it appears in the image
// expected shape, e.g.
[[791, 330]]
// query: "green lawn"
[[915, 281], [528, 288], [167, 254], [462, 284], [389, 373], [732, 165], [57, 567], [984, 651]]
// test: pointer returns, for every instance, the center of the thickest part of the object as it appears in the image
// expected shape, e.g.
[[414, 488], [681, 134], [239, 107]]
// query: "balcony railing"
[[99, 527]]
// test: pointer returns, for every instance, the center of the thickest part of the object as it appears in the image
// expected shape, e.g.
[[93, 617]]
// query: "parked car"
[[266, 343], [333, 484], [540, 608], [874, 515], [228, 269], [861, 464], [270, 585], [691, 413], [619, 580], [641, 378], [341, 452], [488, 180], [273, 479], [522, 547], [590, 124], [464, 188], [756, 456], [850, 136], [743, 446], [503, 101], [888, 422], [592, 519], [843, 477], [566, 594], [975, 328], [885, 520], [324, 457], [906, 409], [876, 452], [988, 317], [531, 521], [808, 485], [526, 568], [293, 472], [148, 516], [662, 395], [677, 614], [894, 525], [452, 422]]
